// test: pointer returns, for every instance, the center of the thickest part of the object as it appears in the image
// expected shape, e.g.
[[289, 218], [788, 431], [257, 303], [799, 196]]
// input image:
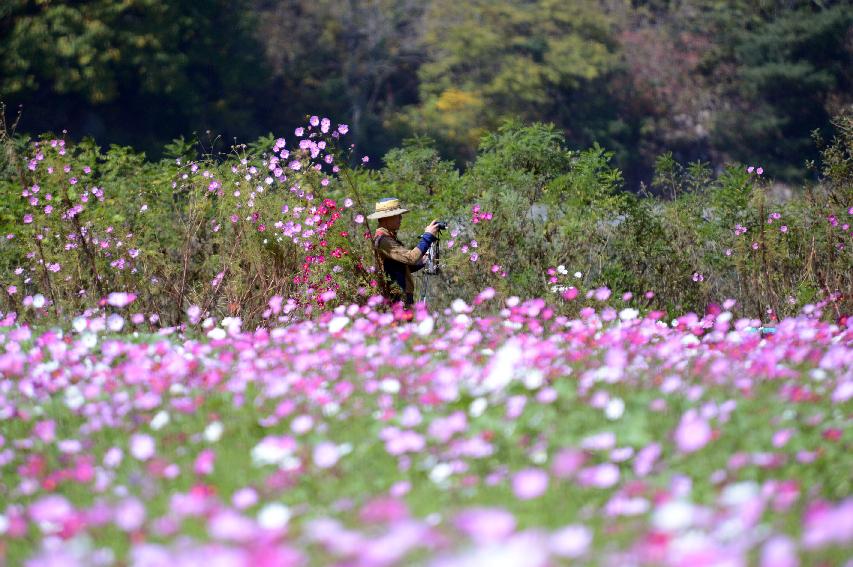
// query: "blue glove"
[[426, 240]]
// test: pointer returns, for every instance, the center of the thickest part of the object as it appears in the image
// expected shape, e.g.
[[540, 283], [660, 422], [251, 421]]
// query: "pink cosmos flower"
[[571, 541], [121, 299], [604, 475], [244, 498], [779, 551], [130, 515], [781, 437], [693, 432], [204, 462], [570, 294], [326, 455], [529, 484], [485, 525], [142, 446], [602, 294], [567, 462], [51, 511]]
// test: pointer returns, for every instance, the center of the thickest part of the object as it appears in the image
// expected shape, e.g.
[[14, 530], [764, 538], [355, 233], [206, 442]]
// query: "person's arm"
[[395, 251]]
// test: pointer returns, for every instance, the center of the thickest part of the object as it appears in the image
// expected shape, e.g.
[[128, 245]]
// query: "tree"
[[488, 61], [354, 59], [138, 72], [792, 72]]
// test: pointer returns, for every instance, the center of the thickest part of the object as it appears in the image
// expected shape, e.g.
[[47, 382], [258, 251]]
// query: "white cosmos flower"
[[614, 409], [217, 334], [338, 323], [160, 420], [628, 314], [213, 432], [673, 516], [274, 516], [478, 407], [426, 326]]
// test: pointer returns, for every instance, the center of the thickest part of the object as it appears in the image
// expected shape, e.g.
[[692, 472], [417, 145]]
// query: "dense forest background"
[[709, 80]]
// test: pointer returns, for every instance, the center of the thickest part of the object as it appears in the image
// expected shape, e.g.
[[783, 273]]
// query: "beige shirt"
[[389, 247]]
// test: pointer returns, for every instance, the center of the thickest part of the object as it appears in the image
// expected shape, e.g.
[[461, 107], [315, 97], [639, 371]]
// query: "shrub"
[[266, 231]]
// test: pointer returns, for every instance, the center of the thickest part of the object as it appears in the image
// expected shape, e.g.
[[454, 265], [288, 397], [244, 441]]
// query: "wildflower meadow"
[[197, 366]]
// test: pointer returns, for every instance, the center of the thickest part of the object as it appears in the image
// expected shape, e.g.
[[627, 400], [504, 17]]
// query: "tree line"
[[709, 80]]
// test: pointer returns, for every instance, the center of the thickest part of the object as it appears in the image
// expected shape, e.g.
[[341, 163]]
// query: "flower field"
[[496, 433]]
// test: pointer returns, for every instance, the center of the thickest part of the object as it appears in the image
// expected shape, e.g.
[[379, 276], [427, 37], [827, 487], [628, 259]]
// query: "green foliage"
[[134, 72], [788, 66], [526, 205], [492, 60], [708, 80]]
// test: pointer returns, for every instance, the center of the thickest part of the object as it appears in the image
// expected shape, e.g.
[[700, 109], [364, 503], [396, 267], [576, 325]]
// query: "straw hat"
[[387, 207]]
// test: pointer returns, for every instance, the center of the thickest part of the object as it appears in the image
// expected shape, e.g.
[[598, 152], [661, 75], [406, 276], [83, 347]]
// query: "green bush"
[[529, 217]]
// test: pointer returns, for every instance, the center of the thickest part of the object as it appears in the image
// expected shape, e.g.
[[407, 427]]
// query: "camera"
[[442, 225]]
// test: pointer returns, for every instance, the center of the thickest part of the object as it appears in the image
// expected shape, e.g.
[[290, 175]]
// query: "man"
[[397, 261]]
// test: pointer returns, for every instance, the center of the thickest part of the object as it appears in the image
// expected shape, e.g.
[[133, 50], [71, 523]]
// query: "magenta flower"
[[204, 462], [570, 294]]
